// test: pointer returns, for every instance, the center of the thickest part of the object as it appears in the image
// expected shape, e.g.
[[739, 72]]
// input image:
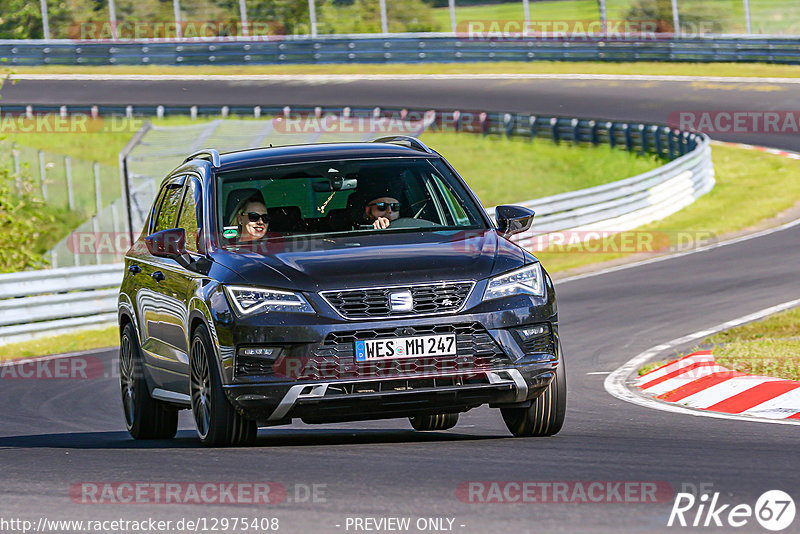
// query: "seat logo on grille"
[[401, 301]]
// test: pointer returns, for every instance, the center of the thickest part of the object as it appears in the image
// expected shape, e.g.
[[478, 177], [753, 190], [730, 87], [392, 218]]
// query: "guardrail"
[[54, 300], [57, 300], [402, 48]]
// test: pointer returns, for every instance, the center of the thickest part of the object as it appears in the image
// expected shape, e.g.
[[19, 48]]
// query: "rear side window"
[[191, 213], [168, 208]]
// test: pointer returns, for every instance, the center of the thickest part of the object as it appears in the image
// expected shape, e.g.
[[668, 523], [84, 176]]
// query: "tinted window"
[[191, 213], [341, 196], [168, 208]]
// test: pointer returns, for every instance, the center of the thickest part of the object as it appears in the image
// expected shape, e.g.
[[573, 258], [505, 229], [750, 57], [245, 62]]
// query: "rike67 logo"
[[774, 510]]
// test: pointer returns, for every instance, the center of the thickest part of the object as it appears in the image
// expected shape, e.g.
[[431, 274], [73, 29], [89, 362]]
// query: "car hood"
[[374, 260]]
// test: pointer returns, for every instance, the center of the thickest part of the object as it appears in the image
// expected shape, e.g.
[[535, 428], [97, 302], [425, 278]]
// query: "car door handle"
[[134, 269], [158, 276]]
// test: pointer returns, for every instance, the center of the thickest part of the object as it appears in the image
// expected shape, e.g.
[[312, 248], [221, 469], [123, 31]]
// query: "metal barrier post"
[[17, 176], [43, 175], [612, 137], [68, 174], [643, 138], [626, 128]]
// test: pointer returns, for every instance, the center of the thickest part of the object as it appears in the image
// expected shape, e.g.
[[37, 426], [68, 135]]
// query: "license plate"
[[405, 347]]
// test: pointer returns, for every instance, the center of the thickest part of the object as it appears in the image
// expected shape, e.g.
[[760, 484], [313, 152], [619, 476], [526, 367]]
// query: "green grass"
[[503, 171], [101, 143], [62, 343], [550, 11], [500, 67], [750, 187], [651, 366], [769, 347]]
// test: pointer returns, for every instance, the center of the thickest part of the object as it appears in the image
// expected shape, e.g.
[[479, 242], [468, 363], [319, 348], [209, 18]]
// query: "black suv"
[[333, 282]]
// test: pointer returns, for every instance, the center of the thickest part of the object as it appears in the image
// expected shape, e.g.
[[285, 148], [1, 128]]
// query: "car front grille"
[[374, 302], [335, 358]]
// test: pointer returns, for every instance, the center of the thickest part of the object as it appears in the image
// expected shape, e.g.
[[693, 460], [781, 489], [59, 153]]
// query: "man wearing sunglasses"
[[253, 220], [382, 211]]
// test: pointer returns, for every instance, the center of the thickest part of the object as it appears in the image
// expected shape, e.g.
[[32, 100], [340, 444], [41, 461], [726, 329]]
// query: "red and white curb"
[[768, 150], [697, 381], [622, 382]]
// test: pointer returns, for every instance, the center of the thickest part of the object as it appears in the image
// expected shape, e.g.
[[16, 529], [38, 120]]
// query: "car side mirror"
[[169, 243], [513, 219]]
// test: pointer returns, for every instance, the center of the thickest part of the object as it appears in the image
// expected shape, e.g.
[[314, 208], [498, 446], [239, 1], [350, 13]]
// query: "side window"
[[191, 213], [168, 209], [455, 208]]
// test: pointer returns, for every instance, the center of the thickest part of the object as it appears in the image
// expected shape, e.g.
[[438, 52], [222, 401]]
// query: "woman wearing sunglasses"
[[253, 219], [382, 211]]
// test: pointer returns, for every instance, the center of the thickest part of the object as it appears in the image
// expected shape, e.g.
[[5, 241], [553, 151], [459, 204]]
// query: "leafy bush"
[[21, 223], [695, 18]]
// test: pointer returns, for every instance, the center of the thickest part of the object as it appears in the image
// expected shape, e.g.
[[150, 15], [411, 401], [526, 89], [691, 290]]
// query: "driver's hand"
[[381, 223]]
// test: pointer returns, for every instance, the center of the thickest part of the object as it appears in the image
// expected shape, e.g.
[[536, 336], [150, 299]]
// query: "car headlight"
[[526, 281], [249, 300]]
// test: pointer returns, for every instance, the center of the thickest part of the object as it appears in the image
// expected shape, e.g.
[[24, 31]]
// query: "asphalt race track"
[[56, 433]]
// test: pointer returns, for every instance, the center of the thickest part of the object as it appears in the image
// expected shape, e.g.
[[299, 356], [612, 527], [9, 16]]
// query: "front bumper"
[[336, 401], [317, 380]]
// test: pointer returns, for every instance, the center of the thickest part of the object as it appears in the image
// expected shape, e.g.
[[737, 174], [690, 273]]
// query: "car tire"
[[218, 424], [545, 416], [145, 417], [441, 421]]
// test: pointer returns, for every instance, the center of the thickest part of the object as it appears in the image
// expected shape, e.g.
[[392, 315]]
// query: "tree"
[[22, 19]]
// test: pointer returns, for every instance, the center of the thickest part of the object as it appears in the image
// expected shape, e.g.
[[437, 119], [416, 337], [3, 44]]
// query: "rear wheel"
[[217, 422], [545, 416], [145, 417], [441, 421]]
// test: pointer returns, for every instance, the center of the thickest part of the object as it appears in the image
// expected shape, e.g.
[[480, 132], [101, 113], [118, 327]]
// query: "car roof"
[[257, 157]]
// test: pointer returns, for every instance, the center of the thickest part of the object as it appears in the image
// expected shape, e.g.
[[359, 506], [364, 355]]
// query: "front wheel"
[[442, 421], [545, 416], [145, 417], [217, 422]]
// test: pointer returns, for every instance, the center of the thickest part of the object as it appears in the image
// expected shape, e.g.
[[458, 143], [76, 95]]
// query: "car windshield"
[[342, 196]]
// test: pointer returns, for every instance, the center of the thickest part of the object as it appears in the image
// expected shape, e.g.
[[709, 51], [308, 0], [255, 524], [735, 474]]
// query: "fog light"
[[259, 352], [253, 361], [533, 331]]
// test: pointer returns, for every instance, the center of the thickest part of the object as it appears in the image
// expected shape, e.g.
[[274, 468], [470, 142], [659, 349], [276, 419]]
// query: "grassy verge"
[[503, 171], [500, 67], [750, 187], [768, 347], [73, 342]]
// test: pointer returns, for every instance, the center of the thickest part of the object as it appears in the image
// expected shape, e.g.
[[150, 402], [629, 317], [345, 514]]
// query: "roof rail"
[[207, 153], [413, 141]]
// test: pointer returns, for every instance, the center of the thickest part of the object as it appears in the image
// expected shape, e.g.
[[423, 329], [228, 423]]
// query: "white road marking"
[[616, 384], [327, 78]]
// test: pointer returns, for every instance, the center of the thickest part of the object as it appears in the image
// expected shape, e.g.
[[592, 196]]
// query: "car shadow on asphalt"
[[187, 439]]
